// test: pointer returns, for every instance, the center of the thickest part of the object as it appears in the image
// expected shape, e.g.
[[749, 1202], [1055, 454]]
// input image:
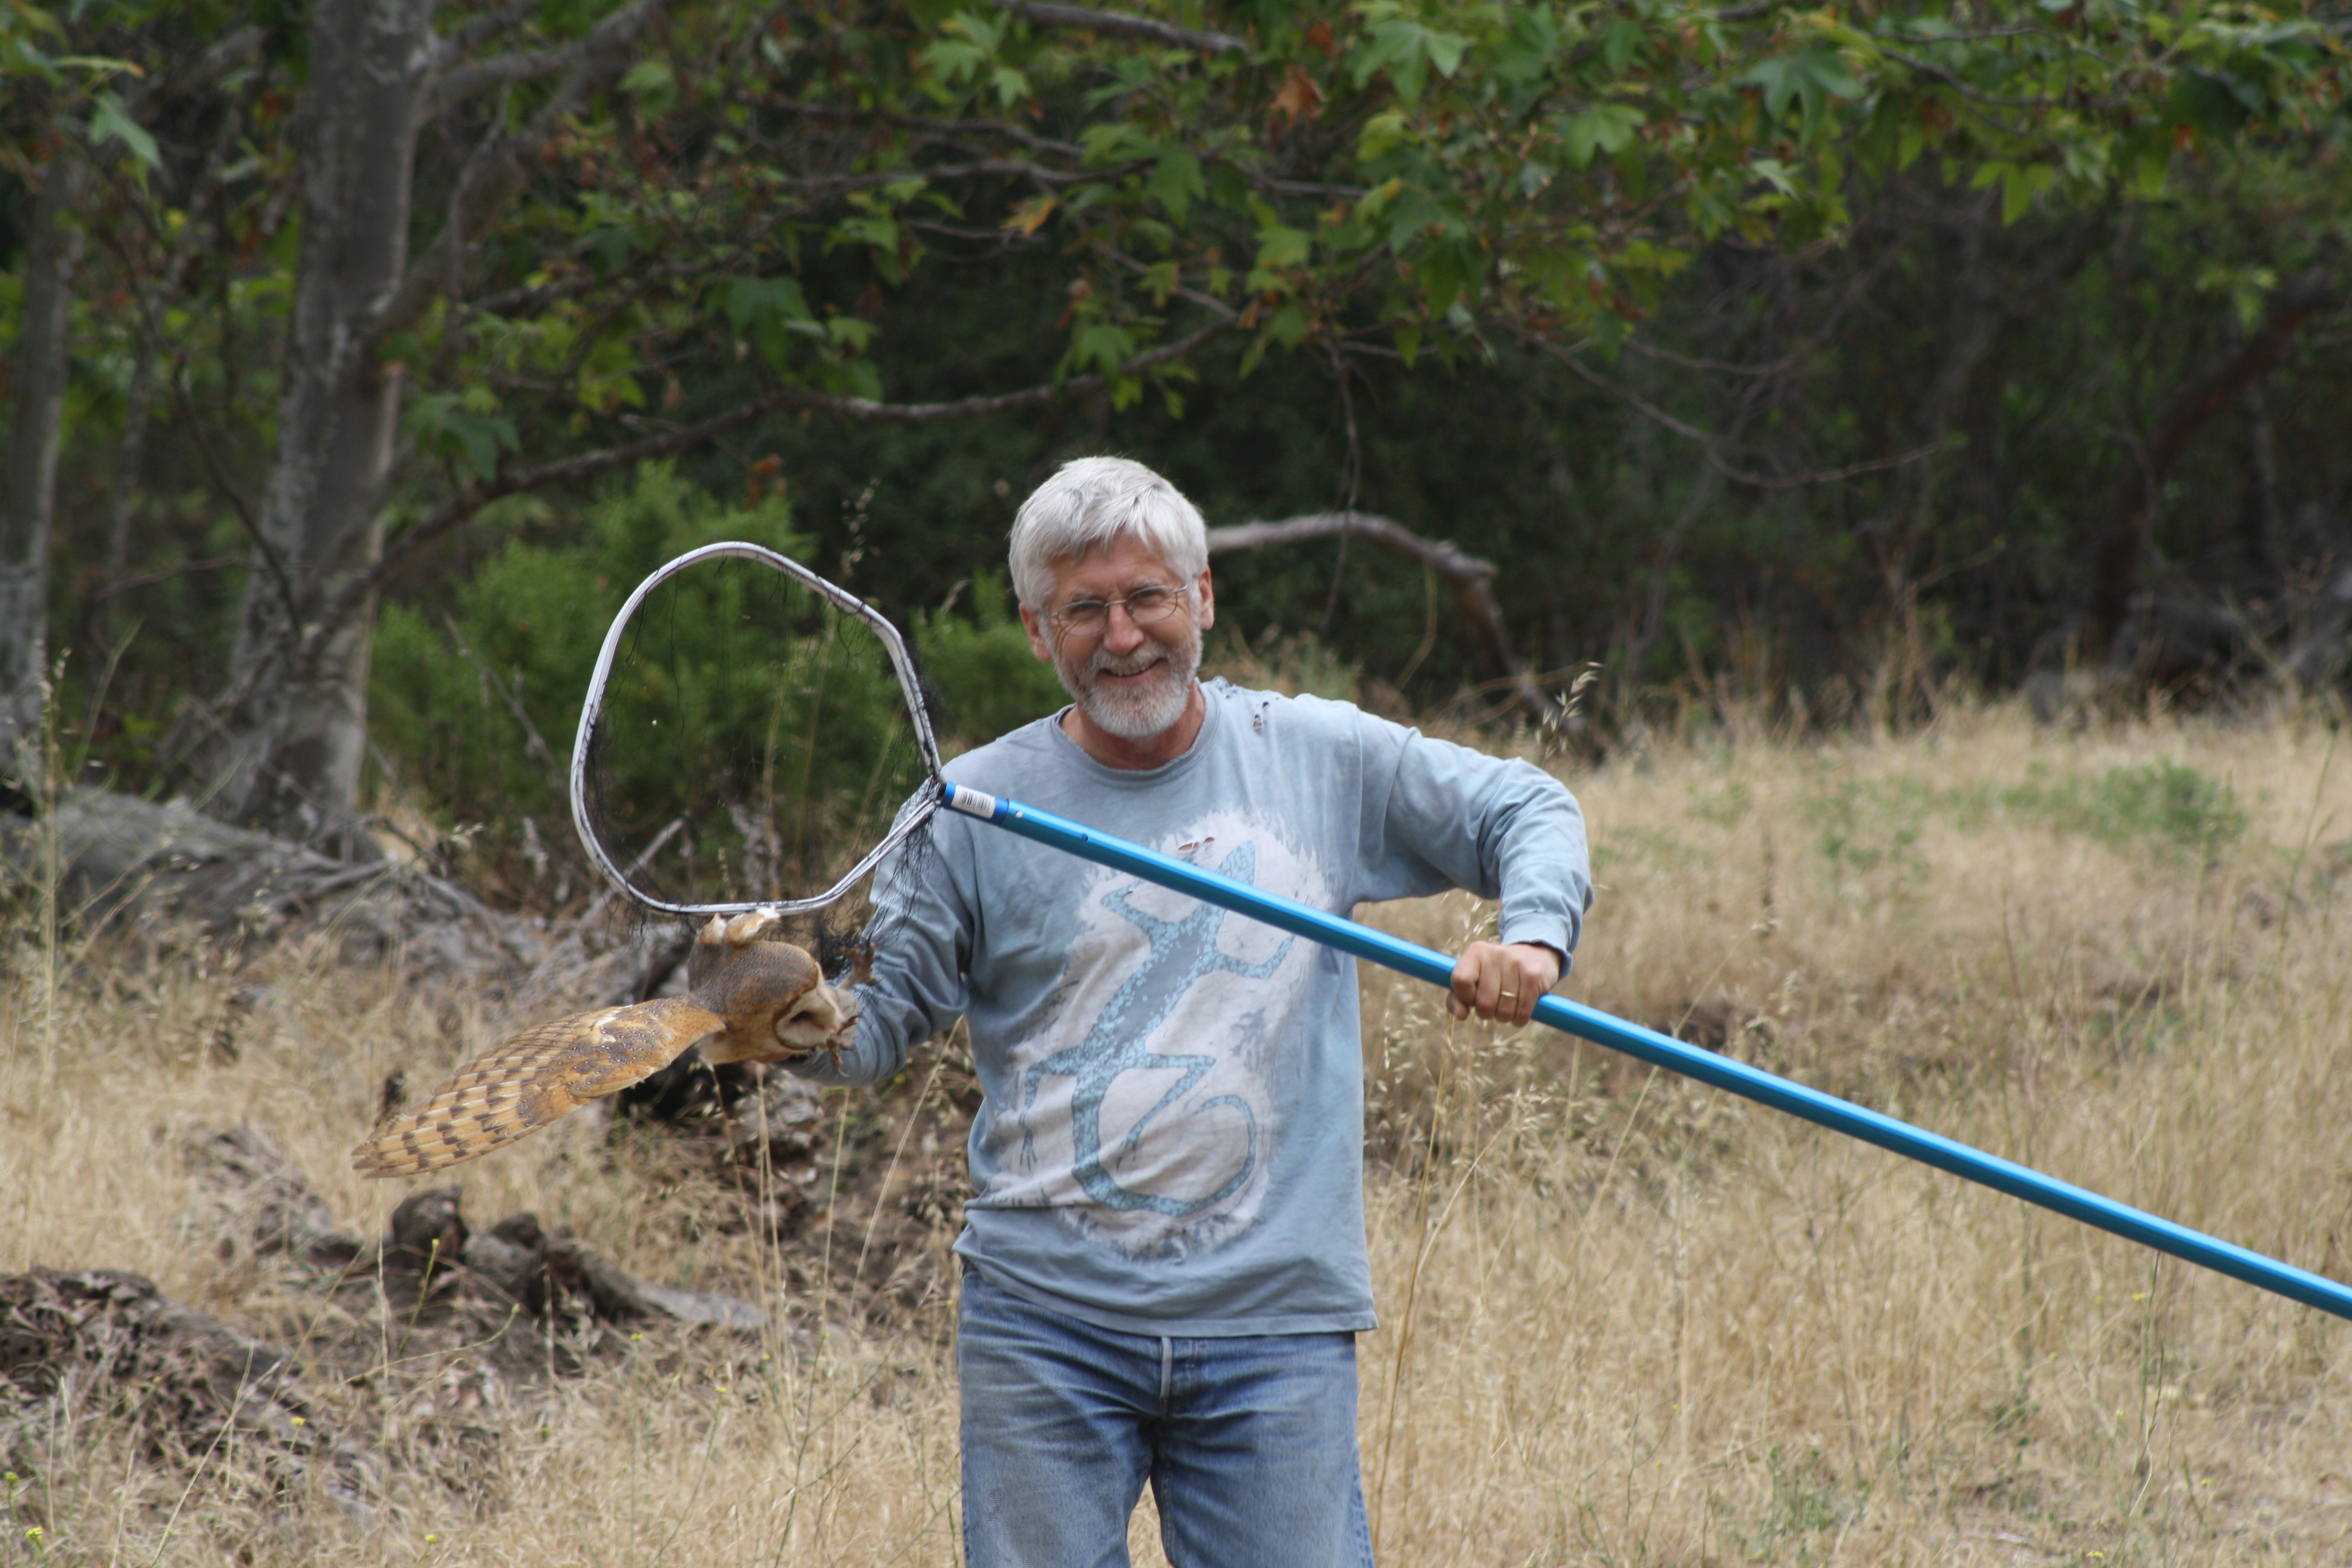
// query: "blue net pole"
[[1659, 1050]]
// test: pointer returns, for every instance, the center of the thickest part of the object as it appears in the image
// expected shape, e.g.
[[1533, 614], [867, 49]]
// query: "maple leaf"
[[1300, 98], [1031, 215]]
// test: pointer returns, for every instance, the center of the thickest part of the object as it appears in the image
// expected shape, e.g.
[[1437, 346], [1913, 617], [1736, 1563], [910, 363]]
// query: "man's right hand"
[[1500, 983]]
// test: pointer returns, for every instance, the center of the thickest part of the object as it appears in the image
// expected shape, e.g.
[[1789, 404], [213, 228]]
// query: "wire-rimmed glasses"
[[1146, 606]]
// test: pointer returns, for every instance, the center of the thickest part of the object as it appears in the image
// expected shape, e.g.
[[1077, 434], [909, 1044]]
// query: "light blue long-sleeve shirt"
[[1171, 1141]]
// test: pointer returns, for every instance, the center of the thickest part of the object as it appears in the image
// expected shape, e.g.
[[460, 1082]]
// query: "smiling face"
[[1132, 679]]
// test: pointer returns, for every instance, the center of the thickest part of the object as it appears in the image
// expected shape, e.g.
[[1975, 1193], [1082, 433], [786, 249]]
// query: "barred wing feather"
[[534, 1079]]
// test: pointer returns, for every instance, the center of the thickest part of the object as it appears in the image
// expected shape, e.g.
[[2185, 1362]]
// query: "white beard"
[[1136, 712]]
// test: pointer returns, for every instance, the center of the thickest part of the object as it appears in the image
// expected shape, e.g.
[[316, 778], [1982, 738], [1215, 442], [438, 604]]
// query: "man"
[[1164, 1266]]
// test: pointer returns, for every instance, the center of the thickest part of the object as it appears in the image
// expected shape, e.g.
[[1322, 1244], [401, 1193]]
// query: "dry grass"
[[1625, 1321]]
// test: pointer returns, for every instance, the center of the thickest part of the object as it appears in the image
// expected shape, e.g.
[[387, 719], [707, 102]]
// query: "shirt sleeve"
[[922, 931], [1439, 815]]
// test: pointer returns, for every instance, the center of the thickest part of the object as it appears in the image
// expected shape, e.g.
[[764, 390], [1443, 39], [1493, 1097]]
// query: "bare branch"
[[2024, 31], [1470, 577], [1959, 84], [1209, 302], [1712, 449], [237, 503], [868, 411], [1303, 188], [589, 464], [534, 742], [150, 579], [493, 172], [642, 272], [179, 250], [224, 55], [645, 271], [1044, 13], [2192, 405], [489, 25], [1029, 139], [455, 83], [1448, 559], [504, 71], [1781, 366], [1010, 168], [565, 471]]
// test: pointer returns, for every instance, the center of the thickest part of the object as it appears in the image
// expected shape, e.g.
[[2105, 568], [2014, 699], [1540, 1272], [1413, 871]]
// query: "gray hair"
[[1088, 503]]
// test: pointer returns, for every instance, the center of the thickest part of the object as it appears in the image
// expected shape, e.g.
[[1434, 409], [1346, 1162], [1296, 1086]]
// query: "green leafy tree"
[[63, 110], [560, 242]]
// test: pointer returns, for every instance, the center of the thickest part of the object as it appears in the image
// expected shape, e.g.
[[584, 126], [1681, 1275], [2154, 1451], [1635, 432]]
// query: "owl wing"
[[535, 1077]]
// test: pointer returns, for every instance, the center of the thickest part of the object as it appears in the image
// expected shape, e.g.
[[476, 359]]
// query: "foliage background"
[[1800, 358]]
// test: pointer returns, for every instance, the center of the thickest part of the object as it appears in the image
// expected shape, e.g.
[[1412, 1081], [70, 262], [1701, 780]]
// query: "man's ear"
[[1032, 623], [1207, 593]]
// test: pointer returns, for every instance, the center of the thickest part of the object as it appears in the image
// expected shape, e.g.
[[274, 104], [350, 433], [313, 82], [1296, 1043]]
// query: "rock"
[[419, 1257], [251, 1198], [508, 1261], [119, 855]]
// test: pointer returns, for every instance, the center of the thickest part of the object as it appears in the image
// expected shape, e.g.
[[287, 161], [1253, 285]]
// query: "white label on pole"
[[973, 802]]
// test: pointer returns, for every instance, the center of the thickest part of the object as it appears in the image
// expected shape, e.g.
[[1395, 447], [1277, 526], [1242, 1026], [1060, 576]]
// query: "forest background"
[[1809, 371], [361, 356]]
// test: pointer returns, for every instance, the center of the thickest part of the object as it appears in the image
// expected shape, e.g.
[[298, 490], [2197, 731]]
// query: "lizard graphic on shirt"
[[1183, 953]]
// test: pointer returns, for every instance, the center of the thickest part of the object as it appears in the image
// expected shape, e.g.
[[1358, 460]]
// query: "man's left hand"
[[1499, 983]]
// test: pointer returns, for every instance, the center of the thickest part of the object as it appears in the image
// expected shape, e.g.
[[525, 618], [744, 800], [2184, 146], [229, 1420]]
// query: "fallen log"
[[429, 1265]]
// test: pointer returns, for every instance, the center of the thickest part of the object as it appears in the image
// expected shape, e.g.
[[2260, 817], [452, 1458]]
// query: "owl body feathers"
[[752, 999]]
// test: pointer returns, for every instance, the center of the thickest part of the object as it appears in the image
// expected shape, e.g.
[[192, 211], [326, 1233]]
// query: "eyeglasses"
[[1146, 606]]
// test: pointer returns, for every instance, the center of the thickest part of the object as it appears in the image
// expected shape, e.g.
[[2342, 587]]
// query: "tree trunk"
[[28, 465], [297, 740], [1998, 303], [2258, 509], [2114, 566], [129, 455]]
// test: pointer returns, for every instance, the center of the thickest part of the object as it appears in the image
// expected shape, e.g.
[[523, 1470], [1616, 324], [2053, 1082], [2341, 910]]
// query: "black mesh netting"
[[752, 745]]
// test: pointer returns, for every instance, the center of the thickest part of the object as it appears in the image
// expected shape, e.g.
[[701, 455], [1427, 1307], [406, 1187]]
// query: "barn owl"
[[750, 998]]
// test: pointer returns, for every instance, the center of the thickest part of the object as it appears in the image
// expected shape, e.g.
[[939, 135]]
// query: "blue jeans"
[[1249, 1443]]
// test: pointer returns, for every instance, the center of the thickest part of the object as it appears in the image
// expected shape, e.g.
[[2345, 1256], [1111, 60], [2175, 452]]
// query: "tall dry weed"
[[1625, 1321]]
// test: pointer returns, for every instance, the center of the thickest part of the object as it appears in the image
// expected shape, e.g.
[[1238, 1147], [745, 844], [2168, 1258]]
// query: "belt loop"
[[1167, 1370]]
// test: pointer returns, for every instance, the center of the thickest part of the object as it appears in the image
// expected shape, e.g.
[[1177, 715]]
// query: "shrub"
[[738, 703], [2168, 805]]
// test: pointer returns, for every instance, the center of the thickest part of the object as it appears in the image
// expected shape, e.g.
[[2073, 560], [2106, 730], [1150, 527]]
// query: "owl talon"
[[749, 927]]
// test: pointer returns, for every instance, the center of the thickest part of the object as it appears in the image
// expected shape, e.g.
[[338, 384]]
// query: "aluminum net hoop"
[[592, 709]]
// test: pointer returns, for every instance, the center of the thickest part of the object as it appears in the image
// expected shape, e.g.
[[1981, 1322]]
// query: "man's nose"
[[1120, 634]]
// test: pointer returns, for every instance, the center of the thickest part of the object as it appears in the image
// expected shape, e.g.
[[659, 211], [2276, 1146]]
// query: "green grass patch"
[[2165, 804]]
